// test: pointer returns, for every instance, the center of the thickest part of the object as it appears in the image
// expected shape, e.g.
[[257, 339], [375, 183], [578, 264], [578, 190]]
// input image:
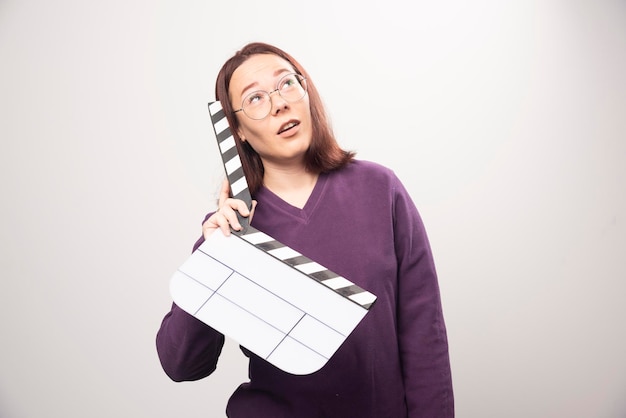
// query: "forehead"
[[258, 70]]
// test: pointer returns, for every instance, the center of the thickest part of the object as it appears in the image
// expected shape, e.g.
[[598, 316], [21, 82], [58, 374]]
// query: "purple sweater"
[[360, 223]]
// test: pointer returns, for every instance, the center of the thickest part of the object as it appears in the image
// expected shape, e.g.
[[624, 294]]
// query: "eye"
[[288, 82], [254, 99]]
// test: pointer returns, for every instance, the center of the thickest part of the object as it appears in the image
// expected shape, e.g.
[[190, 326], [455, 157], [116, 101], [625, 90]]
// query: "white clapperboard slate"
[[282, 306]]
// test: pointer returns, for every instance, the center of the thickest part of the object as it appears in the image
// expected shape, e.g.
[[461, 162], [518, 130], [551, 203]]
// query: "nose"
[[277, 102]]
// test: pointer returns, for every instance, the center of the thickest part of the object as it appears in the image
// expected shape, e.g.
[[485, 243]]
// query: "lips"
[[288, 125]]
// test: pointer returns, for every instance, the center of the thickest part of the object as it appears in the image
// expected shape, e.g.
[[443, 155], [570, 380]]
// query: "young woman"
[[352, 216]]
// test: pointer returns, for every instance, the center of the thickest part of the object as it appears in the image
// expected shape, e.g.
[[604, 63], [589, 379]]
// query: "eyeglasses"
[[257, 105]]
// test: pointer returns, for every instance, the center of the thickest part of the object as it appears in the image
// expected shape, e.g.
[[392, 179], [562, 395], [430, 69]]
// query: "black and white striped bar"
[[230, 156], [309, 267]]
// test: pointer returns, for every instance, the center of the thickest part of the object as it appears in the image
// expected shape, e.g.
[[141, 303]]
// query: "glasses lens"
[[292, 87], [257, 105]]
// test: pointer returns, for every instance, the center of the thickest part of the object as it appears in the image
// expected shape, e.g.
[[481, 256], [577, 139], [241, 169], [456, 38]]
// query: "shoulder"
[[369, 169], [362, 176], [372, 174]]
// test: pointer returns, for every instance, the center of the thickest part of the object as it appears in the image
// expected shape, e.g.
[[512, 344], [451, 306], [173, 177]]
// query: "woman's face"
[[284, 135]]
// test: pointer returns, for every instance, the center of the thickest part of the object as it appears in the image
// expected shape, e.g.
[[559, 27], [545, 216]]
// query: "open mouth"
[[288, 125]]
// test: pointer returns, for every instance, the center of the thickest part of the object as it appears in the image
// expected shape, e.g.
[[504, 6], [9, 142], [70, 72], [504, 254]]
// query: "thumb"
[[252, 211]]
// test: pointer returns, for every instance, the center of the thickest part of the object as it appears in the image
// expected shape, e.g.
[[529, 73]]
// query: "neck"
[[293, 184]]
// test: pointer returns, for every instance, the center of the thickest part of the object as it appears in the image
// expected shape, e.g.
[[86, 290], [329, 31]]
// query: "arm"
[[422, 334], [189, 349]]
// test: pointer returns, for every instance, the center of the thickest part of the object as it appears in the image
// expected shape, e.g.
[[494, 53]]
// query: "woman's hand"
[[225, 216]]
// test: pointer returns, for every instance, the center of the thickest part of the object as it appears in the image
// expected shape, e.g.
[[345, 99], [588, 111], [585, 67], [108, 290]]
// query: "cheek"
[[244, 130], [307, 107], [251, 133]]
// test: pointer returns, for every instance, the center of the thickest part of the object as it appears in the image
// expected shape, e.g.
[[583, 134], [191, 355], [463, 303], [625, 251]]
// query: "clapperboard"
[[276, 302]]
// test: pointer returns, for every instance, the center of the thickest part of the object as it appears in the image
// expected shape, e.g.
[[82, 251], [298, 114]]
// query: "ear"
[[240, 134]]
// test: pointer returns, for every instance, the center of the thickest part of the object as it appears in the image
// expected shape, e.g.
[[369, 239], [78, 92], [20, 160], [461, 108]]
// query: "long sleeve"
[[422, 334], [188, 349]]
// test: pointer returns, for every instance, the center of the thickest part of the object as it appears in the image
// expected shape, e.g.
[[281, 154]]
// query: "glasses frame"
[[301, 80]]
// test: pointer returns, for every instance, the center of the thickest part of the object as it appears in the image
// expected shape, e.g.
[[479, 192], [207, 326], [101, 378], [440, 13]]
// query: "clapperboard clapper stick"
[[282, 306]]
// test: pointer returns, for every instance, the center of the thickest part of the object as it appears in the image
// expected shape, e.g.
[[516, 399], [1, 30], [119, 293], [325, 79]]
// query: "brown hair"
[[324, 153]]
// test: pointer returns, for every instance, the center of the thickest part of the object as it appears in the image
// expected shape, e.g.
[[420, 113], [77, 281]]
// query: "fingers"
[[226, 218], [224, 193], [215, 221]]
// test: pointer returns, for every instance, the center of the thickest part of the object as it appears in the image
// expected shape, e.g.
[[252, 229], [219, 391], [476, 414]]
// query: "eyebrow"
[[254, 83]]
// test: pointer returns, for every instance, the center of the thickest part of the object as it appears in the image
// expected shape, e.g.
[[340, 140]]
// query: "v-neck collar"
[[271, 199]]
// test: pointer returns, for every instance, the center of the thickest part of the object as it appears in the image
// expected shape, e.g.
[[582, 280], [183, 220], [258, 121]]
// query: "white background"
[[506, 120]]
